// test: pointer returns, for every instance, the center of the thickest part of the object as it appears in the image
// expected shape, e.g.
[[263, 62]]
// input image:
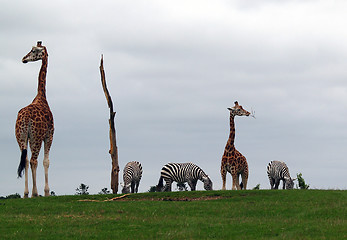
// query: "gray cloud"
[[172, 70]]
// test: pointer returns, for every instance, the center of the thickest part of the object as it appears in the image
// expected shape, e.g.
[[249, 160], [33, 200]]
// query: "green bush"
[[13, 196], [82, 190], [104, 191], [301, 181], [152, 189]]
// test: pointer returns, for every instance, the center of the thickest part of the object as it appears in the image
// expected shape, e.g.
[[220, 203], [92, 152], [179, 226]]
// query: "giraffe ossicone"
[[35, 125]]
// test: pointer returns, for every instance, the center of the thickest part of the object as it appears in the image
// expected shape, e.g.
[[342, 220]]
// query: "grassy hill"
[[251, 214]]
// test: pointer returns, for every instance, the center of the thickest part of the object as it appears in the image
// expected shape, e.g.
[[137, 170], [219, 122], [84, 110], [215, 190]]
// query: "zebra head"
[[207, 183], [126, 188], [289, 182]]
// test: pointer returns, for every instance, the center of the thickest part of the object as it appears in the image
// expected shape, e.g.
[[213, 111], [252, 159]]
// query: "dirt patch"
[[182, 199], [168, 199]]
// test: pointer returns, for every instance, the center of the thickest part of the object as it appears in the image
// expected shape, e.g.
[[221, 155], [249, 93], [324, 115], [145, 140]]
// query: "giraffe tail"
[[22, 163], [160, 184]]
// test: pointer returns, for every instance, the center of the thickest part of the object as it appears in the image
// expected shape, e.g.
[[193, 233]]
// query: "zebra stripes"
[[181, 173], [132, 174], [278, 171]]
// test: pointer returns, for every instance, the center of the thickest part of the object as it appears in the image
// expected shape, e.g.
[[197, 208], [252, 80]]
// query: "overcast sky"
[[172, 69]]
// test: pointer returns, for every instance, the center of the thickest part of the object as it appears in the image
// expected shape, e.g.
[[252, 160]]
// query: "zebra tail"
[[22, 163], [160, 184]]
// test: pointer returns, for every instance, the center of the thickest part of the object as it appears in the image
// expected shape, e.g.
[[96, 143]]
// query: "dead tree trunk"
[[113, 144]]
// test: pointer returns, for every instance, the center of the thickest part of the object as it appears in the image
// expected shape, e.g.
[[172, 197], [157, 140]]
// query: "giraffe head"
[[237, 110], [37, 52]]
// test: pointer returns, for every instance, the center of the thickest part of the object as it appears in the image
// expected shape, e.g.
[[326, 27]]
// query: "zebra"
[[278, 171], [132, 174], [181, 173]]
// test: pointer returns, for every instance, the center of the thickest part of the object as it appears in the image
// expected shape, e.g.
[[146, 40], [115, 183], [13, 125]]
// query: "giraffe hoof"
[[34, 195]]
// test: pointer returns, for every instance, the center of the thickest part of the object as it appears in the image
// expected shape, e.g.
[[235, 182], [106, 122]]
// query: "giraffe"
[[233, 161], [35, 124]]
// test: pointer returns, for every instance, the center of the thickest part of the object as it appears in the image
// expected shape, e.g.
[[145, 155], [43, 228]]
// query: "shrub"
[[13, 196], [82, 190], [301, 181], [152, 189], [104, 191]]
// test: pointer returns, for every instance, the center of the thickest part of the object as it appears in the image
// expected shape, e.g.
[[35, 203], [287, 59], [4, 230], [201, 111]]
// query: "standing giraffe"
[[35, 124], [233, 161]]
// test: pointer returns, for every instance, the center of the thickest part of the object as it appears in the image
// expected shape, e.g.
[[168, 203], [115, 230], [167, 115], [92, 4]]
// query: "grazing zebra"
[[132, 174], [278, 171], [181, 173]]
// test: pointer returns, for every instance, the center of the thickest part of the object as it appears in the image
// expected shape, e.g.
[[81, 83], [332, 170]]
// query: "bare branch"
[[252, 113], [113, 144]]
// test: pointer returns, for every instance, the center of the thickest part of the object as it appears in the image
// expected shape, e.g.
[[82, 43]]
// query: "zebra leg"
[[277, 182], [284, 184], [167, 186], [137, 186], [192, 185], [132, 187], [271, 182]]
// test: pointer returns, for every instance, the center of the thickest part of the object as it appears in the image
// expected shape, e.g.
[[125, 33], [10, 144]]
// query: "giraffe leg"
[[26, 188], [35, 147], [236, 185], [33, 166], [244, 177], [223, 172], [47, 147], [46, 166], [21, 133]]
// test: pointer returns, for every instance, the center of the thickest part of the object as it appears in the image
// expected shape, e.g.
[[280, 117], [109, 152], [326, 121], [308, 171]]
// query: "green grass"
[[257, 214]]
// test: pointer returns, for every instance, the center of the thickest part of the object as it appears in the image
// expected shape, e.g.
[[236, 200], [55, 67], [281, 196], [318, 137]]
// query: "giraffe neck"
[[41, 89], [231, 139]]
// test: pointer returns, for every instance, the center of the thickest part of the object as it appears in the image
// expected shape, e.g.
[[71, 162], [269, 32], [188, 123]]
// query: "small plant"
[[104, 191], [257, 187], [301, 181], [13, 196], [152, 189], [82, 190]]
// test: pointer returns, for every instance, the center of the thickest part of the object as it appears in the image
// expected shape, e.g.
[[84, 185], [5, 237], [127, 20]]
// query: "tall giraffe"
[[233, 161], [35, 124]]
